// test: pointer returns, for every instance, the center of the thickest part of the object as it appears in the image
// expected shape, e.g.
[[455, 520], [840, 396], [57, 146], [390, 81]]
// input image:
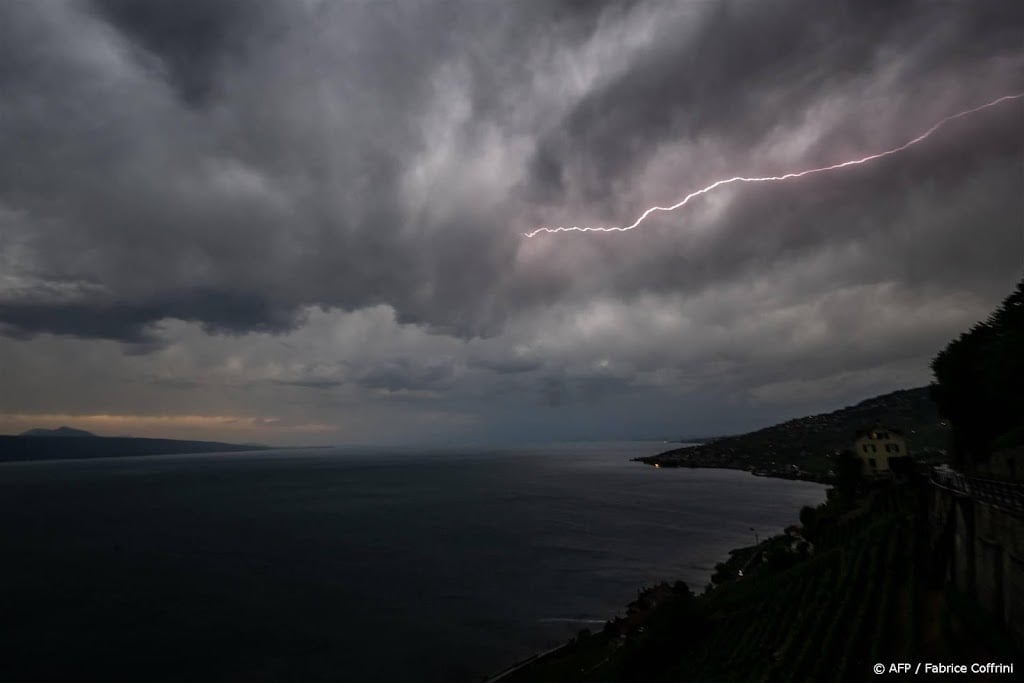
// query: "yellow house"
[[876, 446]]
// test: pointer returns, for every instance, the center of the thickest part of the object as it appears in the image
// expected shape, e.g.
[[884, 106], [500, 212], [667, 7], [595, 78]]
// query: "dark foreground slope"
[[78, 447], [868, 590], [806, 447]]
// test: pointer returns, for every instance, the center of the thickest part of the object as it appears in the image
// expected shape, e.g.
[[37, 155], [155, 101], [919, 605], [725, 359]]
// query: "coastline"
[[806, 448], [706, 456], [651, 597], [522, 664]]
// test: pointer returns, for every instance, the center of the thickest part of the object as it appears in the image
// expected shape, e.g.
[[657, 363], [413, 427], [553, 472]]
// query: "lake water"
[[348, 565]]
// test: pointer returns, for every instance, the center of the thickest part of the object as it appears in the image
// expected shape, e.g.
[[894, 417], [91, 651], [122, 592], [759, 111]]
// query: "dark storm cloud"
[[190, 39], [754, 66], [292, 187], [245, 166], [287, 186], [508, 366], [888, 212], [406, 375], [133, 322]]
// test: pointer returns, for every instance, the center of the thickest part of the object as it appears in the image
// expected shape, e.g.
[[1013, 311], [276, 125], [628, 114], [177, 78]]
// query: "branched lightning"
[[787, 176]]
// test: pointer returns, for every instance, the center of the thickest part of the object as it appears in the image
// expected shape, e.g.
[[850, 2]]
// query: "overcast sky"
[[301, 222]]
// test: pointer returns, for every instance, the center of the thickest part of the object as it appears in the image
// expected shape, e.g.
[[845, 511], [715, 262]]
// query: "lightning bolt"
[[787, 176]]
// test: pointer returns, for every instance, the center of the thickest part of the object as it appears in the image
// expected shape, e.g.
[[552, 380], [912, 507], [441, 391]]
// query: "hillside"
[[866, 589], [61, 432], [805, 447]]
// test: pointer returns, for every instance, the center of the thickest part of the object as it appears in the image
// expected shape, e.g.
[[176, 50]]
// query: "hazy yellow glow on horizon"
[[173, 426]]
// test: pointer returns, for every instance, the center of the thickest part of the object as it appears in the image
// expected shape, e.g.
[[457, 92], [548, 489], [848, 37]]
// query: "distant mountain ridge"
[[58, 432], [804, 447], [47, 444]]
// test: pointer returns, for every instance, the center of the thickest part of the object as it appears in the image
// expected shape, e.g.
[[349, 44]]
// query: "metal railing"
[[1004, 494]]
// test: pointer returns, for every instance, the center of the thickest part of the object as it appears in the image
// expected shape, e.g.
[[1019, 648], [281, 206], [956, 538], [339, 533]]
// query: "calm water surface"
[[344, 566]]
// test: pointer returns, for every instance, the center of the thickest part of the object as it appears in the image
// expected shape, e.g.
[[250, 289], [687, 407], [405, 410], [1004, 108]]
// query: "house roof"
[[877, 428]]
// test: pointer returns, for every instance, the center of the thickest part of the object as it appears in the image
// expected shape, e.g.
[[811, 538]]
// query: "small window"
[[864, 448], [871, 463], [895, 448]]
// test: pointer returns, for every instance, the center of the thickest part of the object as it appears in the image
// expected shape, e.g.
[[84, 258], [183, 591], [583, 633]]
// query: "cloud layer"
[[312, 212]]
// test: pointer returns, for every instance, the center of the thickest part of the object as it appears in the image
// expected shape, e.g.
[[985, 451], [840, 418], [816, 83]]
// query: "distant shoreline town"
[[807, 448]]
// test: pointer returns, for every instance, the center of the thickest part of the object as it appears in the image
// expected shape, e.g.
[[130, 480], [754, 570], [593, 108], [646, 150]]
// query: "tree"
[[808, 516], [979, 382], [849, 476]]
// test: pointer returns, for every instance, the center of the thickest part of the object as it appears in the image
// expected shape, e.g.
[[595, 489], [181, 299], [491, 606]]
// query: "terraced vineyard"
[[862, 596], [818, 620]]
